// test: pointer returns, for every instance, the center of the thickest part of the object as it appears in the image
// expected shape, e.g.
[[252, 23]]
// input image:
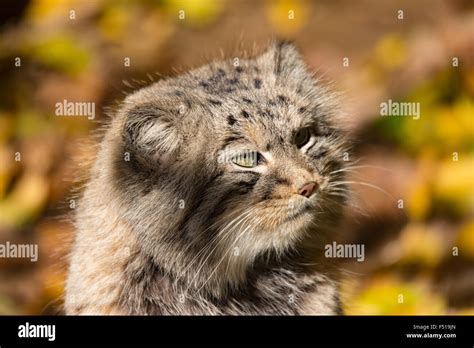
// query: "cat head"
[[231, 161]]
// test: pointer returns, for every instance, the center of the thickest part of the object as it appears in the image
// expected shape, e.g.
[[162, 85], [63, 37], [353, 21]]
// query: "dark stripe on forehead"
[[266, 113], [282, 99], [245, 114], [231, 139], [231, 120], [214, 102]]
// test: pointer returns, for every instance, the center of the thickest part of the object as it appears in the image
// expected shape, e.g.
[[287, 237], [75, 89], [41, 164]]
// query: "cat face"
[[232, 159]]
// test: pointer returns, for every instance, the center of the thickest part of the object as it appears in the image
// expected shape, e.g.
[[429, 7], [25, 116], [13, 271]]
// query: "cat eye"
[[248, 159], [301, 137]]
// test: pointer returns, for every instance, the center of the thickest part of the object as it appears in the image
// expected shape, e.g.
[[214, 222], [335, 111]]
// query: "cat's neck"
[[281, 281]]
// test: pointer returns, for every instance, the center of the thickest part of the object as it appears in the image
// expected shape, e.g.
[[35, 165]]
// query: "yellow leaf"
[[419, 201], [25, 202], [454, 183], [420, 245], [465, 240], [390, 52], [287, 16], [419, 195], [39, 10], [195, 12], [114, 21], [389, 296]]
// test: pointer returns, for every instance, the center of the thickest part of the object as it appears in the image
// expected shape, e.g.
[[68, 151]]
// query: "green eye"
[[246, 159], [301, 137]]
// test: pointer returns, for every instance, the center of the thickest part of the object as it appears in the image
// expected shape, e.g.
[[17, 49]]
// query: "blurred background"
[[413, 180]]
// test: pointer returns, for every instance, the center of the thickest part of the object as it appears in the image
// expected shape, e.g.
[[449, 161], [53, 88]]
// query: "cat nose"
[[308, 189]]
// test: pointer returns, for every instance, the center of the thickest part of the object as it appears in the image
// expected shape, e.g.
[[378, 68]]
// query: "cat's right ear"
[[149, 134]]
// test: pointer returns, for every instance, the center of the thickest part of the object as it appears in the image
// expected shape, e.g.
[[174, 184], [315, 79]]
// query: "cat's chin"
[[299, 223], [291, 229]]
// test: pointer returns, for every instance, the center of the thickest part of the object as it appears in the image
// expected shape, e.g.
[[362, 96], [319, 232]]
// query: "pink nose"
[[308, 189]]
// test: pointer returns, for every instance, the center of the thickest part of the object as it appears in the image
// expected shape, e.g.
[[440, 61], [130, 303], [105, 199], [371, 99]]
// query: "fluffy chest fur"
[[274, 290]]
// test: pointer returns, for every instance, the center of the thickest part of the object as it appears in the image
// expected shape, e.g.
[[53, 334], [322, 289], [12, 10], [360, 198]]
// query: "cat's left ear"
[[149, 131], [286, 63]]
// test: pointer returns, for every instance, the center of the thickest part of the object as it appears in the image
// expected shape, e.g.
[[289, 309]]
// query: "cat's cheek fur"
[[95, 273]]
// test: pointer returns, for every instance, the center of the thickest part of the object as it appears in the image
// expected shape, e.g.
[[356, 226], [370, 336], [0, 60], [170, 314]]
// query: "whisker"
[[338, 183], [222, 258], [238, 221], [213, 239], [350, 168]]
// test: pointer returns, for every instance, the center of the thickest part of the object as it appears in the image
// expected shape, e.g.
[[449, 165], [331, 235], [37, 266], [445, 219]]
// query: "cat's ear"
[[285, 62], [149, 132]]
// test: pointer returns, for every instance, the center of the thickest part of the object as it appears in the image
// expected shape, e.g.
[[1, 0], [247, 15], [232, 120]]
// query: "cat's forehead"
[[246, 89], [273, 89], [229, 76]]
